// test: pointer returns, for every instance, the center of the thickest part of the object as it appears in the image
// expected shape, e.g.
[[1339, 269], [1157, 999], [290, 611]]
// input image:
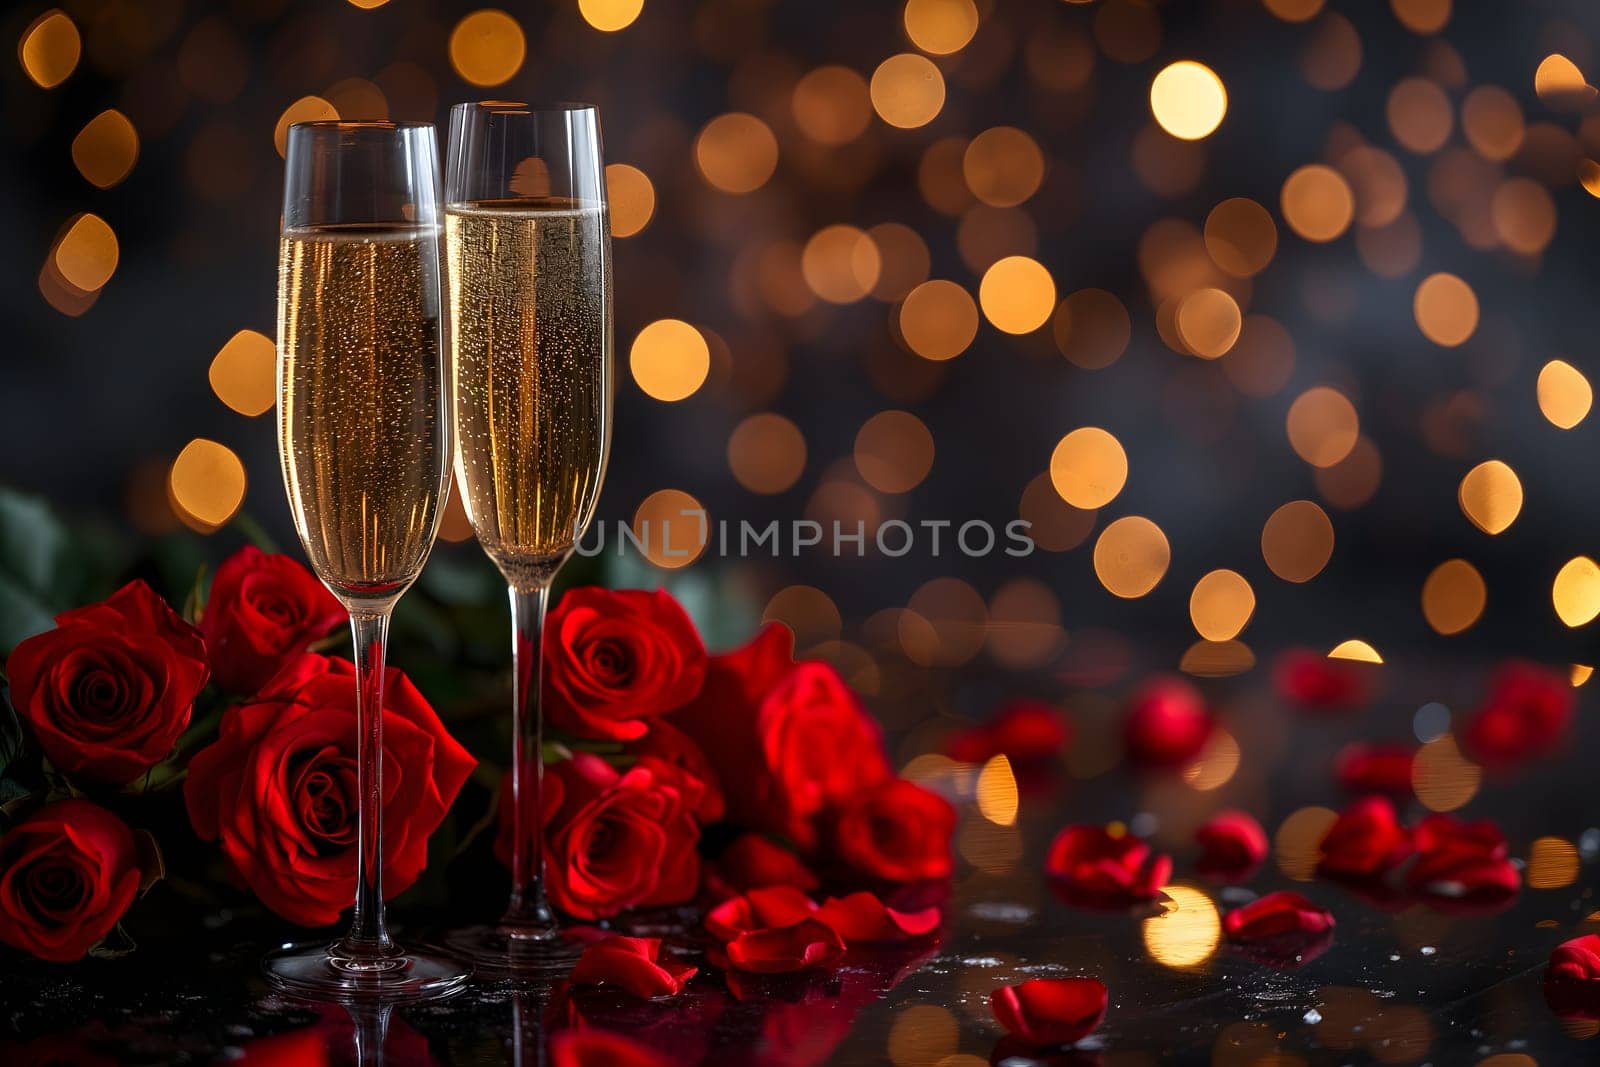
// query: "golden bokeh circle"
[[1221, 605], [1442, 777], [1453, 596], [207, 483], [1420, 115], [1576, 591], [244, 373], [907, 90], [1297, 541], [106, 149], [672, 527], [487, 47], [940, 27], [1241, 236], [894, 451], [766, 453], [736, 152], [609, 16], [1017, 294], [1490, 496], [1446, 309], [1317, 203], [1188, 100], [669, 359], [1088, 468], [938, 320], [1208, 322], [86, 255], [1092, 328], [50, 48], [630, 197], [1323, 426], [1131, 557], [1565, 395], [832, 105], [1003, 166], [840, 263]]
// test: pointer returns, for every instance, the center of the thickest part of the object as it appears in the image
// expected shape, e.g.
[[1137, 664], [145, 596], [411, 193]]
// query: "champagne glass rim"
[[360, 124], [519, 107]]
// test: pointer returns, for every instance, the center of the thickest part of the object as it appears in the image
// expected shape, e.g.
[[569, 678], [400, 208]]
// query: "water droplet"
[[1312, 1017]]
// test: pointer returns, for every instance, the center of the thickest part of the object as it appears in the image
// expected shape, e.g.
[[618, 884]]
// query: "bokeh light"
[[831, 105], [305, 109], [1208, 322], [1092, 328], [1241, 237], [106, 149], [736, 152], [1003, 166], [940, 27], [1017, 295], [1131, 557], [609, 16], [1323, 426], [630, 197], [1423, 16], [244, 373], [487, 48], [938, 320], [1317, 203], [1088, 468], [206, 483], [840, 263], [671, 526], [50, 48], [1446, 309], [1442, 777], [894, 451], [995, 791], [1491, 496], [1221, 605], [1355, 650], [766, 453], [1576, 592], [1297, 541], [1453, 596], [669, 359], [907, 90], [87, 253], [1186, 932], [1188, 100], [1565, 395]]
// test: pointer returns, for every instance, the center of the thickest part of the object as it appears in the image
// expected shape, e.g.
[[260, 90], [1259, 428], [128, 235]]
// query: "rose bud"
[[615, 659], [1167, 725], [863, 918], [1099, 869], [1050, 1011], [1366, 840], [759, 909], [1283, 914], [68, 873], [278, 787], [108, 691], [634, 964], [1317, 683], [802, 946], [264, 610], [1527, 713], [897, 832], [755, 861], [590, 1047], [1023, 731], [1363, 768], [1232, 846]]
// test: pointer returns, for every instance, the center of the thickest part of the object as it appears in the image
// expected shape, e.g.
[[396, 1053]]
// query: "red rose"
[[863, 918], [67, 874], [671, 745], [264, 610], [109, 690], [755, 861], [1167, 724], [620, 839], [1366, 840], [1023, 731], [616, 658], [802, 946], [1318, 683], [1233, 845], [1100, 869], [1577, 960], [1050, 1011], [634, 964], [600, 1048], [898, 832], [1462, 861], [278, 787], [1375, 768], [788, 741], [1527, 713], [1277, 915]]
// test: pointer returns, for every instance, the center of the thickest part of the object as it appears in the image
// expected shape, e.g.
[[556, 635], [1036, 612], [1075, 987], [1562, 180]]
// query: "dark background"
[[96, 406]]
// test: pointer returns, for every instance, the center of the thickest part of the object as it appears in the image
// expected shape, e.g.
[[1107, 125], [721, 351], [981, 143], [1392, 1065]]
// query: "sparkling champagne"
[[362, 431], [530, 357]]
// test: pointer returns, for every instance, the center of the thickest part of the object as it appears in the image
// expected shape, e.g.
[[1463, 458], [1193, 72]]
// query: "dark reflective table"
[[1401, 982]]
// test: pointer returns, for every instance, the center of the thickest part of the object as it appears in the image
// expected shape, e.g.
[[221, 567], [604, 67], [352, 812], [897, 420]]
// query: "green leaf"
[[195, 603], [115, 945], [152, 864], [254, 532]]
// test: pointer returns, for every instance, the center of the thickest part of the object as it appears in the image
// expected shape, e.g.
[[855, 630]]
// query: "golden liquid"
[[362, 428], [530, 358]]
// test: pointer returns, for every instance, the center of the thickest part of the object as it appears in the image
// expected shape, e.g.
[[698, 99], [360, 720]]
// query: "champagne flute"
[[528, 266], [364, 439]]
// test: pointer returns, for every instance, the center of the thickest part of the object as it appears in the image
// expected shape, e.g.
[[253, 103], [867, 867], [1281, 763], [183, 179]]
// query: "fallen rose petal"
[[1282, 914], [802, 946], [1023, 731], [1233, 845], [1367, 839], [600, 1048], [1375, 768], [862, 917], [755, 861], [1526, 714], [759, 909], [1167, 724], [1577, 960], [634, 964], [1317, 683], [1050, 1011], [1100, 869]]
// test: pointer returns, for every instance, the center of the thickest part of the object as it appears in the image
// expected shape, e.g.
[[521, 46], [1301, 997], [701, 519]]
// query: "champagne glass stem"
[[528, 916], [369, 935]]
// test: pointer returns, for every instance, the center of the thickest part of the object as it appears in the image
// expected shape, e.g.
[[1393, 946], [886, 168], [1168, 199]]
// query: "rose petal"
[[590, 1047], [1098, 869], [1166, 725], [1283, 914], [759, 909], [1050, 1011], [862, 917], [634, 964], [1233, 845], [802, 946], [1375, 768], [1366, 840]]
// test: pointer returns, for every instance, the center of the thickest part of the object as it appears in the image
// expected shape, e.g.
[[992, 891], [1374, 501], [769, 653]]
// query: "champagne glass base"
[[321, 972], [497, 952]]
